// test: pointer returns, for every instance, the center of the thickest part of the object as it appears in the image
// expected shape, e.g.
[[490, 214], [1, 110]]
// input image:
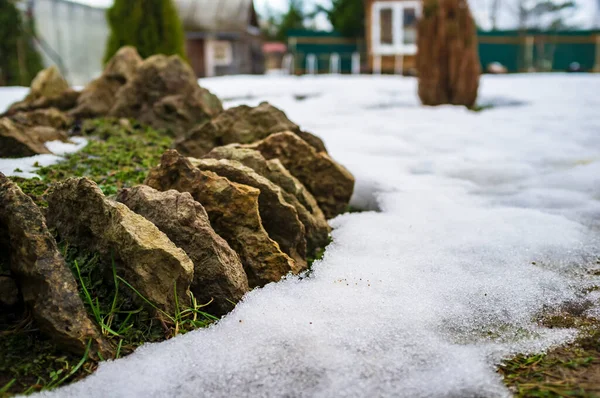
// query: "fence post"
[[356, 63], [597, 61], [377, 64], [529, 49]]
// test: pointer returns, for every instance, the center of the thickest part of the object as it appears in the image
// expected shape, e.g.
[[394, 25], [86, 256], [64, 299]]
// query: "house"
[[391, 34], [222, 37], [274, 53]]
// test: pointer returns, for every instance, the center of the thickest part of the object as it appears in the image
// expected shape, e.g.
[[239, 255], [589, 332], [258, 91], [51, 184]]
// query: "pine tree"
[[347, 17], [447, 59], [152, 26], [292, 19], [19, 60]]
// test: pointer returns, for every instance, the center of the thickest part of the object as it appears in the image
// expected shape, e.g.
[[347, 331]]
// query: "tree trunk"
[[447, 60]]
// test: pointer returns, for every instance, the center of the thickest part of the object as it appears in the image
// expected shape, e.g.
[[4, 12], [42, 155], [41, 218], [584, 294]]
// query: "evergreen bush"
[[151, 26], [19, 60]]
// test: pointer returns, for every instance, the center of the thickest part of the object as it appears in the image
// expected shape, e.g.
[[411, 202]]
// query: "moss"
[[29, 362], [118, 155], [572, 370]]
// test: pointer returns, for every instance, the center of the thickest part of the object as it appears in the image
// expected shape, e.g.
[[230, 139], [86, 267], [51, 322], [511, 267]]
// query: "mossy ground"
[[118, 155], [572, 370]]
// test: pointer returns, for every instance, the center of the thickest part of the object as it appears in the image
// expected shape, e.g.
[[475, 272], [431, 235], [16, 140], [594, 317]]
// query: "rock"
[[98, 97], [233, 212], [48, 90], [46, 283], [164, 93], [242, 124], [315, 224], [309, 212], [19, 141], [9, 293], [49, 117], [496, 68], [144, 256], [218, 272], [329, 182], [279, 218]]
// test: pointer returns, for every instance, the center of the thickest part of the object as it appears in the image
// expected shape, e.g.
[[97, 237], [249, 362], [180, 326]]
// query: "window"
[[394, 27], [409, 26], [385, 24]]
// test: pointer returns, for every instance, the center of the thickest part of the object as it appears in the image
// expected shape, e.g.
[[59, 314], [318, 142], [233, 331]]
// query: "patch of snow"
[[26, 167], [485, 220], [8, 95]]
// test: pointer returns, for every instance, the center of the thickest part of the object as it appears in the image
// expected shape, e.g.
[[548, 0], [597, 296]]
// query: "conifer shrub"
[[447, 59], [19, 59], [151, 26]]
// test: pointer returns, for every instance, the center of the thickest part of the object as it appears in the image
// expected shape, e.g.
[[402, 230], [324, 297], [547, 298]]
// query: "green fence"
[[322, 44], [519, 51]]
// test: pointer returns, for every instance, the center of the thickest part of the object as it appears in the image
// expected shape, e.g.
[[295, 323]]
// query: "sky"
[[585, 16]]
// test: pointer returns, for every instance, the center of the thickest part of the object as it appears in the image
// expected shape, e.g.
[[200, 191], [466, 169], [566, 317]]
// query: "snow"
[[479, 222], [25, 167]]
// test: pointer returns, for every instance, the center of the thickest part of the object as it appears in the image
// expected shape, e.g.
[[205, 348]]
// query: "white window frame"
[[397, 47]]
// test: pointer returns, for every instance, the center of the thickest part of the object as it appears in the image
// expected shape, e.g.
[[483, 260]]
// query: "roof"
[[274, 47], [217, 16]]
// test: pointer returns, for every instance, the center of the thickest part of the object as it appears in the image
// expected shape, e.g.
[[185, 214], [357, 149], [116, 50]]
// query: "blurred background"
[[224, 37]]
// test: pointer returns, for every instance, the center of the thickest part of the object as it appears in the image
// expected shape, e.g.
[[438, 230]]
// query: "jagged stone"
[[49, 117], [99, 96], [329, 182], [144, 256], [17, 140], [46, 283], [218, 272], [9, 292], [164, 93], [243, 124], [315, 224], [279, 218], [48, 90], [233, 212]]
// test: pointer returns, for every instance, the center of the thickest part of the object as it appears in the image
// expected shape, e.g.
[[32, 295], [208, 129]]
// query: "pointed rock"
[[99, 96], [218, 272], [329, 182], [164, 93], [46, 283], [49, 117], [279, 218], [233, 212], [315, 224], [242, 124], [48, 90], [144, 256]]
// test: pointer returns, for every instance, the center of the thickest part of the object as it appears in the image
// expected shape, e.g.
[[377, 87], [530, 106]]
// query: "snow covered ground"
[[479, 222], [25, 167]]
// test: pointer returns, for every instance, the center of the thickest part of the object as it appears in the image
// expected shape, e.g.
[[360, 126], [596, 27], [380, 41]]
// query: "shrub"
[[19, 60], [447, 59], [152, 26]]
